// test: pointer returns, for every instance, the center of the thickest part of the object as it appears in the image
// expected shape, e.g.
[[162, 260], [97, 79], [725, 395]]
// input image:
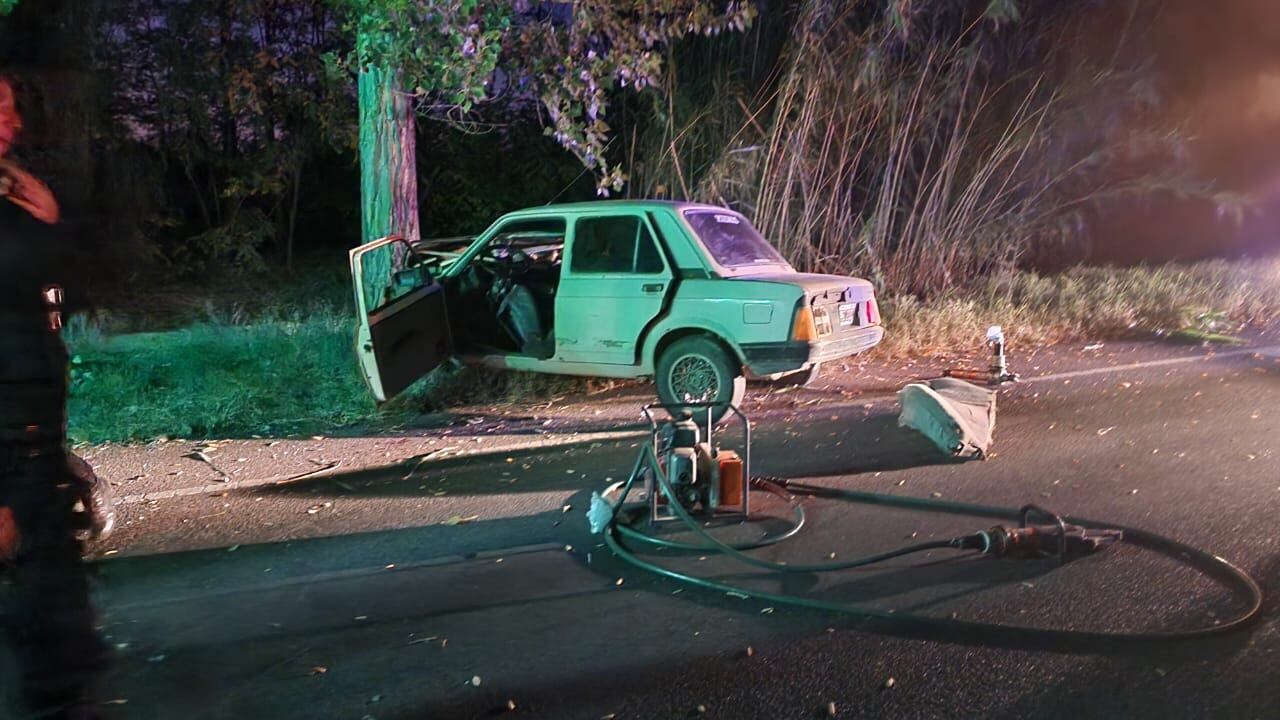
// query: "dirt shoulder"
[[166, 476]]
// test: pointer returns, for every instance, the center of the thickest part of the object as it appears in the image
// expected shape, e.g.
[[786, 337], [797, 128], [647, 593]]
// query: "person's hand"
[[23, 189]]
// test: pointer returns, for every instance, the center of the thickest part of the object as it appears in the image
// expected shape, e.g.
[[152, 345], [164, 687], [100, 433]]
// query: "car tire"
[[699, 369]]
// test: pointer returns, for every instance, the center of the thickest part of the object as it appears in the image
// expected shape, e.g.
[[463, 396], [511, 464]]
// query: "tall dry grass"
[[1192, 302], [924, 156]]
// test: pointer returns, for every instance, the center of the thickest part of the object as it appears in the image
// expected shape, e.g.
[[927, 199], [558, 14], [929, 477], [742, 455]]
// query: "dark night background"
[[223, 148]]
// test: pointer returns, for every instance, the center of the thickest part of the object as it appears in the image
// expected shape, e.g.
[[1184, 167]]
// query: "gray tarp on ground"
[[957, 416]]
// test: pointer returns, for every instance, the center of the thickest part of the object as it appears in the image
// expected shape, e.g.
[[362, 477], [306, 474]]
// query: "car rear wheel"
[[698, 369]]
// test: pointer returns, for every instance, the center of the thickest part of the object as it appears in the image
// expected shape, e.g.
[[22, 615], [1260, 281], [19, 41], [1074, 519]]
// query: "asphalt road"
[[447, 572]]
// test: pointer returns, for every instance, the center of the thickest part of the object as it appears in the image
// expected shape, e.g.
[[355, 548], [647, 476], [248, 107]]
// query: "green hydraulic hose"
[[912, 624], [735, 551]]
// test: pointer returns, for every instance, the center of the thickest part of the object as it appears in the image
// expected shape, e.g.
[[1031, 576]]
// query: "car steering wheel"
[[516, 262], [519, 262]]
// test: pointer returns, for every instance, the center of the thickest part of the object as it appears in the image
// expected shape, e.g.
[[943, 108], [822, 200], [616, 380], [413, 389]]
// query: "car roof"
[[611, 205]]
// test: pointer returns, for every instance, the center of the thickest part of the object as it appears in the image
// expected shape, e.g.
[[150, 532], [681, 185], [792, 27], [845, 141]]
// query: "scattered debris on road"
[[200, 455], [458, 519], [322, 468], [424, 458]]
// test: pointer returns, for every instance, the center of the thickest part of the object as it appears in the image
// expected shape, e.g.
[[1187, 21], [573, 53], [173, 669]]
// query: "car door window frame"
[[642, 223], [391, 291], [499, 227]]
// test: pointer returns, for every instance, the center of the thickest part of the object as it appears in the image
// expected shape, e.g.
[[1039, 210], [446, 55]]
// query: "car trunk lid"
[[841, 305]]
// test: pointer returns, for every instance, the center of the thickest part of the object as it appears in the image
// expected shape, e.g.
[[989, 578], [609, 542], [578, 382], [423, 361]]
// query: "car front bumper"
[[781, 357]]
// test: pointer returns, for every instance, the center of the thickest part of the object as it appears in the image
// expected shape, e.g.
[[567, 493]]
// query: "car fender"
[[670, 327]]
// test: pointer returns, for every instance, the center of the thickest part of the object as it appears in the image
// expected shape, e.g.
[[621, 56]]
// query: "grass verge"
[[267, 376], [208, 379], [1204, 301]]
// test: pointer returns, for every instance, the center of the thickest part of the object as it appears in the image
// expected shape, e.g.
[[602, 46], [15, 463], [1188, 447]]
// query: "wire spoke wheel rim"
[[694, 379]]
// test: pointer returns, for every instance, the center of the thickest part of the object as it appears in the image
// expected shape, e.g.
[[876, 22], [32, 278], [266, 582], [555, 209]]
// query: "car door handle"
[[652, 287]]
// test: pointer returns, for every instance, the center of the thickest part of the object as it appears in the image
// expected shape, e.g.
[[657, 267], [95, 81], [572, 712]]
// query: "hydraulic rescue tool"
[[687, 478]]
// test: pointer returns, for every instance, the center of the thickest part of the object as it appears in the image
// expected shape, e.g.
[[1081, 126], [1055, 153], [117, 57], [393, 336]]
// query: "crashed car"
[[687, 293]]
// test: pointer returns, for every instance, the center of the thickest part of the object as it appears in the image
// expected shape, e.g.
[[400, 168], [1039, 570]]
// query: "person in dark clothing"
[[47, 612]]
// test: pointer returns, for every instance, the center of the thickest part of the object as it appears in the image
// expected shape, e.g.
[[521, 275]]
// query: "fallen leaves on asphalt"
[[458, 519]]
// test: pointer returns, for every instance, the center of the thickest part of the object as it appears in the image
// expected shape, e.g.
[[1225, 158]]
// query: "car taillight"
[[873, 312], [802, 328]]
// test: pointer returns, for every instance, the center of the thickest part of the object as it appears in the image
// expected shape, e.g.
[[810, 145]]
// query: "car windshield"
[[731, 240]]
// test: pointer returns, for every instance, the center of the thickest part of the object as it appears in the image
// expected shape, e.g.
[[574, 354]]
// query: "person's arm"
[[23, 189]]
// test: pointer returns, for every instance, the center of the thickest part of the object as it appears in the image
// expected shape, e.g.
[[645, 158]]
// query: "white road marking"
[[1273, 351]]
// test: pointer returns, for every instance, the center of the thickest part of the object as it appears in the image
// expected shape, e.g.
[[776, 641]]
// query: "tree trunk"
[[293, 214], [388, 168]]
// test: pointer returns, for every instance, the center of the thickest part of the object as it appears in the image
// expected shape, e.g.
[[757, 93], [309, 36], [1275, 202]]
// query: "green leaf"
[[1003, 11]]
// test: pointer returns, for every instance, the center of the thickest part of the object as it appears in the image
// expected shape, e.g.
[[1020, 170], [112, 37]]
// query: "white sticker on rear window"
[[727, 220]]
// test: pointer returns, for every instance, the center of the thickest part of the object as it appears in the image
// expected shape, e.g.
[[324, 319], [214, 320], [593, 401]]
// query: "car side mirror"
[[410, 278]]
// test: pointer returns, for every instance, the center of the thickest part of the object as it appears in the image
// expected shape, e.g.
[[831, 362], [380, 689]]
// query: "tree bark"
[[293, 214], [388, 168]]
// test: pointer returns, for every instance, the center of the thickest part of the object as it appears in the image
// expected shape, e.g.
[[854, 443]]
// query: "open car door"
[[402, 330]]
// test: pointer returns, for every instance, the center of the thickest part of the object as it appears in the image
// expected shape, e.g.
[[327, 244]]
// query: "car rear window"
[[731, 240]]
